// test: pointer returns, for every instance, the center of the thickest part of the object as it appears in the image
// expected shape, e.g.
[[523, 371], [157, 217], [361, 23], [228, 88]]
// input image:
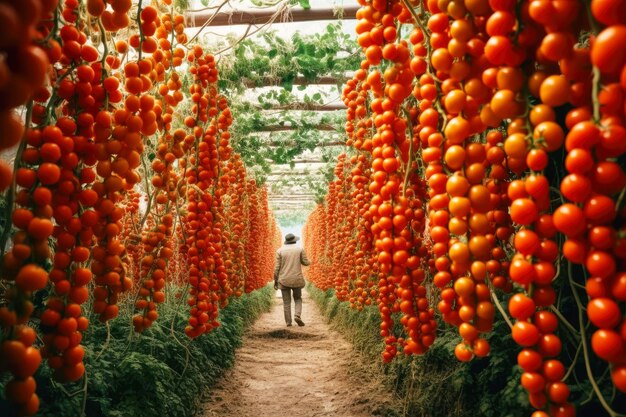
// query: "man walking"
[[288, 276]]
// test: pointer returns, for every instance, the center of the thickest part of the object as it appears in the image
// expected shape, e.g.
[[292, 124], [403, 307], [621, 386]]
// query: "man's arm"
[[276, 268], [303, 259]]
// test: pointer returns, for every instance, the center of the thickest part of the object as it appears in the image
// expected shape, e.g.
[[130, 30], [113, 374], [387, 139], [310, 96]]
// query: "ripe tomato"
[[600, 264], [569, 220], [618, 375], [525, 333], [576, 188], [558, 392], [599, 209], [607, 52], [524, 211], [521, 307], [529, 360], [533, 382], [604, 313], [607, 344], [553, 370]]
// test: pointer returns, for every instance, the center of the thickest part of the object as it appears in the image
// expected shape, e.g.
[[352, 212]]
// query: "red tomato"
[[521, 307], [545, 321], [553, 370], [607, 51], [619, 377], [558, 392], [529, 360], [525, 333], [569, 220], [599, 209], [604, 313], [600, 264], [533, 382], [607, 344]]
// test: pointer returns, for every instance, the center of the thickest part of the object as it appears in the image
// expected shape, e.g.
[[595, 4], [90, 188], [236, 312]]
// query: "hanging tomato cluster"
[[487, 163], [115, 191]]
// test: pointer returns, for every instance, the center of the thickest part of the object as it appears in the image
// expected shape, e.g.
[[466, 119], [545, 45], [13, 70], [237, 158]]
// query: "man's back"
[[289, 261]]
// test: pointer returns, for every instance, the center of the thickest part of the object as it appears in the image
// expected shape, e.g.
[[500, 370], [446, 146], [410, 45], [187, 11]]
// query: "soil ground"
[[308, 371]]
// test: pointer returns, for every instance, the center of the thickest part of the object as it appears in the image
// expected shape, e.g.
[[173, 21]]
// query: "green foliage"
[[5, 221], [261, 148], [331, 52], [270, 3], [291, 218], [182, 6], [280, 61], [436, 383], [5, 228], [158, 373]]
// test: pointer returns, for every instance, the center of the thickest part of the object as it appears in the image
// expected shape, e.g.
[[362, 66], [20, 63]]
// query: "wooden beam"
[[317, 145], [268, 81], [292, 199], [308, 107], [261, 16], [283, 128], [290, 194], [292, 174], [310, 161]]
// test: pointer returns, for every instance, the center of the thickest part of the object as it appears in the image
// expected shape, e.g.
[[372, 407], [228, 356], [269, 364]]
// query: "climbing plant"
[[272, 124]]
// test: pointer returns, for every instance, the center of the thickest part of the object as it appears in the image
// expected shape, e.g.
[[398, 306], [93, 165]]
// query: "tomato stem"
[[567, 324], [595, 87], [573, 365], [11, 192], [139, 28], [148, 193], [105, 345], [409, 163], [105, 53], [583, 340], [498, 305]]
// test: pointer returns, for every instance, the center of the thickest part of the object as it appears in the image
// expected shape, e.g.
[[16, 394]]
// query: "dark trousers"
[[297, 298]]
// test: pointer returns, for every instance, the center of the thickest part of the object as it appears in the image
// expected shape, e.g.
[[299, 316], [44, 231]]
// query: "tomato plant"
[[489, 129]]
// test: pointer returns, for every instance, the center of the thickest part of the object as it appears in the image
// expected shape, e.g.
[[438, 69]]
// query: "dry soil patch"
[[296, 372]]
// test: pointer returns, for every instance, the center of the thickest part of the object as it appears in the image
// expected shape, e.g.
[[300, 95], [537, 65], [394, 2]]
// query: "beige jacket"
[[288, 269]]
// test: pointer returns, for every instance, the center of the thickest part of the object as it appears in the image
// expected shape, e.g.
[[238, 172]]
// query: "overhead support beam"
[[292, 202], [308, 107], [261, 16], [317, 145], [310, 161], [294, 174], [288, 197], [299, 80], [282, 128]]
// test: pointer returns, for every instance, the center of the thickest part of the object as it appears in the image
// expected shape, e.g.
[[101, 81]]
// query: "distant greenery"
[[331, 53], [268, 3], [291, 218]]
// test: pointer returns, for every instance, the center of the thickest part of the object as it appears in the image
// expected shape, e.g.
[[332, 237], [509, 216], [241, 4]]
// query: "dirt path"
[[296, 372]]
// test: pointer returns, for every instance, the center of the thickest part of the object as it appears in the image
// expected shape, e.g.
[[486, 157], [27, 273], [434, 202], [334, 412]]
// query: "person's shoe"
[[288, 324], [299, 321]]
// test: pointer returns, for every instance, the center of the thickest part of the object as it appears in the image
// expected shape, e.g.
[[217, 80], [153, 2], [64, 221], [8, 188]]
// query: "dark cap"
[[290, 238]]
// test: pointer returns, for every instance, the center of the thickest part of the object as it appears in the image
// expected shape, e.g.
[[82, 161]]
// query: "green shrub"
[[436, 384], [158, 373]]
